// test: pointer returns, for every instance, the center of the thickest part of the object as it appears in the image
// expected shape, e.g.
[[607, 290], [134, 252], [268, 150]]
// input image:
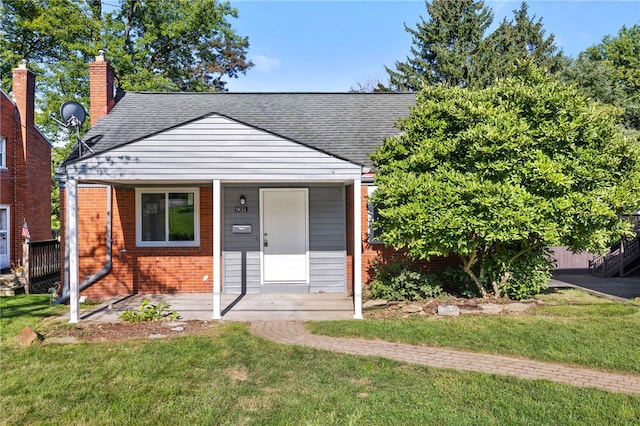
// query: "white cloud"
[[265, 63]]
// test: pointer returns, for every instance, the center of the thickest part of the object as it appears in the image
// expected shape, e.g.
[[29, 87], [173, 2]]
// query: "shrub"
[[149, 312], [398, 281]]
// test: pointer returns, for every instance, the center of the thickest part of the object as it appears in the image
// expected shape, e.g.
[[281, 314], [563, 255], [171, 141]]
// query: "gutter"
[[107, 263]]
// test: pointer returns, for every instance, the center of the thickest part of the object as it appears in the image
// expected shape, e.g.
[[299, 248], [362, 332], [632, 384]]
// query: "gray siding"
[[241, 251], [327, 241], [214, 147]]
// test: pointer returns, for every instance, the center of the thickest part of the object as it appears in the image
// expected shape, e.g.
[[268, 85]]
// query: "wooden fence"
[[41, 265]]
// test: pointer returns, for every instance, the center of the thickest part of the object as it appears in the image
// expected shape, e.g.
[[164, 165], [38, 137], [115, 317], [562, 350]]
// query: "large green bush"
[[495, 176]]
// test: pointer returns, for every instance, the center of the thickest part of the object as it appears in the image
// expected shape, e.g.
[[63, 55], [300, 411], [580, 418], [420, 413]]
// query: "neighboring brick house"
[[225, 192], [25, 170]]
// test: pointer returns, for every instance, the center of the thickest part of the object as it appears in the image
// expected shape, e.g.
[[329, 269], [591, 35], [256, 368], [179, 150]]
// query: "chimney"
[[24, 90], [101, 87]]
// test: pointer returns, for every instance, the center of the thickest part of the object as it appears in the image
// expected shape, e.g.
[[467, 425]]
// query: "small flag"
[[25, 230]]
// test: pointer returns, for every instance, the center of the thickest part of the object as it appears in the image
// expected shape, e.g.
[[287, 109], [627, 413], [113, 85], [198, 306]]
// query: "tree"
[[157, 45], [154, 45], [445, 47], [451, 48], [522, 38], [494, 176], [610, 72]]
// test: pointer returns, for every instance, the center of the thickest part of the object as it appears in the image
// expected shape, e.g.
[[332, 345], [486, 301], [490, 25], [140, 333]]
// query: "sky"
[[333, 46]]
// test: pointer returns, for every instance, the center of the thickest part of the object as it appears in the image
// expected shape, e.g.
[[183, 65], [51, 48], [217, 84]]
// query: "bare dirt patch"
[[118, 331]]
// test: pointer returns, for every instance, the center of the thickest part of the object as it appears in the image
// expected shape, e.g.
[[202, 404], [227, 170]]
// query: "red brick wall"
[[140, 269], [25, 184]]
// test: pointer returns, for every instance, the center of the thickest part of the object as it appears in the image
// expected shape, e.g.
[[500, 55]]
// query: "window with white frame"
[[3, 153], [167, 217], [372, 214]]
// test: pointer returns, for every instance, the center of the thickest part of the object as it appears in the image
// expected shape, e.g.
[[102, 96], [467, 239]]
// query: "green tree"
[[445, 47], [522, 38], [158, 45], [494, 176], [155, 45], [610, 72]]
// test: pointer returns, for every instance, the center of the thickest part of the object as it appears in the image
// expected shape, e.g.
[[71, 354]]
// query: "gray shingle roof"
[[347, 125]]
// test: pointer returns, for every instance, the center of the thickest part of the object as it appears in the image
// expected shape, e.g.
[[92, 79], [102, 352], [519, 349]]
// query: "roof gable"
[[345, 125]]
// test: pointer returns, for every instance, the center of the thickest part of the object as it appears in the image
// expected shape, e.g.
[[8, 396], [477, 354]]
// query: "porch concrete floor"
[[235, 307]]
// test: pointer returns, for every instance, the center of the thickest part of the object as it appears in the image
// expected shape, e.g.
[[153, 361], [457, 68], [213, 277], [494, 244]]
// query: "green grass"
[[23, 310], [571, 327], [231, 377]]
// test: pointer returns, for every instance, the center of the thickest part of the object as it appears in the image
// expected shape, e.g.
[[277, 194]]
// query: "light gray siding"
[[327, 241], [213, 147]]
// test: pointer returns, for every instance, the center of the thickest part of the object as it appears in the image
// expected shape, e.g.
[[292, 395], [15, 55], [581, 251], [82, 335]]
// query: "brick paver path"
[[294, 333]]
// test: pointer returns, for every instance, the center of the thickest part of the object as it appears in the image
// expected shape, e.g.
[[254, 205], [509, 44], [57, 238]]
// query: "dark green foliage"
[[451, 47], [445, 46], [397, 280]]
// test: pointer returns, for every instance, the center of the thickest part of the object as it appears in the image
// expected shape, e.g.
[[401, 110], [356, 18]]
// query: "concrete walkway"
[[293, 333]]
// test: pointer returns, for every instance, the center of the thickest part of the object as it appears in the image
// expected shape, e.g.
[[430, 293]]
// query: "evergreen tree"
[[445, 47], [520, 39]]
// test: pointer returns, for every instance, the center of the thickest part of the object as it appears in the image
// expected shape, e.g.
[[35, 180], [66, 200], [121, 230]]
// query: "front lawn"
[[227, 376], [570, 327], [230, 377]]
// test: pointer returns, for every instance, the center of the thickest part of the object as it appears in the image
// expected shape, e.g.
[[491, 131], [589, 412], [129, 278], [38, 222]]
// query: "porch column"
[[357, 249], [217, 238], [72, 243]]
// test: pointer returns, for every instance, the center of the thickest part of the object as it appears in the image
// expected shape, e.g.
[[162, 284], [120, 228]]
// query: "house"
[[224, 192], [25, 170]]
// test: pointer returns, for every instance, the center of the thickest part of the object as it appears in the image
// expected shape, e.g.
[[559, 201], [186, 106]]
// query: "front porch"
[[239, 307]]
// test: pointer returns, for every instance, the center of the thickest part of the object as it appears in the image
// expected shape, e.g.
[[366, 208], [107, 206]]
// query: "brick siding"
[[25, 183]]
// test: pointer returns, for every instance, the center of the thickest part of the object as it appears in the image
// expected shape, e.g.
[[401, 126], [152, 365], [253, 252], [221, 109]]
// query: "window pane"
[[181, 216], [153, 219]]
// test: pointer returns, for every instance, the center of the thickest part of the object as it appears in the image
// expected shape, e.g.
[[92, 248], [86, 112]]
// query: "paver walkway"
[[294, 333]]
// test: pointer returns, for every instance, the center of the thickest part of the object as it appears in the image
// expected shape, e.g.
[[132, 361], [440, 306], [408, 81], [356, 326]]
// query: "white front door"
[[285, 230], [4, 237]]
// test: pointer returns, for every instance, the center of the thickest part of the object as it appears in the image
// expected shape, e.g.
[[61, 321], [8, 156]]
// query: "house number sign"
[[241, 209]]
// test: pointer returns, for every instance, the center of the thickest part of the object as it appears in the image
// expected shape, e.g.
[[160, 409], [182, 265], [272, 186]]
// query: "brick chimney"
[[24, 90], [101, 87]]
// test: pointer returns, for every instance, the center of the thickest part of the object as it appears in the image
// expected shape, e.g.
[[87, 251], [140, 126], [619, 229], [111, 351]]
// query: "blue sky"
[[331, 46]]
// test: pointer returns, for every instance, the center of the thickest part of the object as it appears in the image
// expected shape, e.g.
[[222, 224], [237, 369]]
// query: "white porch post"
[[72, 242], [357, 249], [217, 238]]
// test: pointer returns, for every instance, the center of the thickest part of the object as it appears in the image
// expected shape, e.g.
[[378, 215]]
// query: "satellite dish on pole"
[[73, 115]]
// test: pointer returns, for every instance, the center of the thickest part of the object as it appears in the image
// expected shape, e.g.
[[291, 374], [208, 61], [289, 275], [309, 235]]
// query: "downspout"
[[107, 262]]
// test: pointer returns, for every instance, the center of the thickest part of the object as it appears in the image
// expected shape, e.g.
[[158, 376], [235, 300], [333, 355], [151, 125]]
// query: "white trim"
[[71, 189], [8, 231], [3, 153], [306, 231], [166, 243], [357, 249], [217, 246]]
